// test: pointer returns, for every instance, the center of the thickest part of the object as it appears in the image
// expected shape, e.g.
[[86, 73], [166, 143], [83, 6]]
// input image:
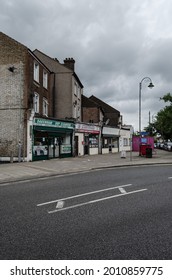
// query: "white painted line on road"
[[169, 177], [84, 194], [94, 201], [60, 204], [122, 190]]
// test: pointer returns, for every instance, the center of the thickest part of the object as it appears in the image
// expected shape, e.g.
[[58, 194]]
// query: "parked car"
[[168, 146], [161, 146]]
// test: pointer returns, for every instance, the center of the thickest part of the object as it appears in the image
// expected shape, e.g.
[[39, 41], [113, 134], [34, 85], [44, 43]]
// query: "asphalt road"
[[120, 213]]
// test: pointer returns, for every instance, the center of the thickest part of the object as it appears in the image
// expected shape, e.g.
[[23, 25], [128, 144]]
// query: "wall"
[[125, 141], [90, 113], [137, 140], [12, 102]]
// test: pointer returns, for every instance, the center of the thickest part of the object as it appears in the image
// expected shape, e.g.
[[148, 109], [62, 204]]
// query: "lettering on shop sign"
[[52, 123]]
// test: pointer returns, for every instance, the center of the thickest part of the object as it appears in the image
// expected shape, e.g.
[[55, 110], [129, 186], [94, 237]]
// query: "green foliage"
[[167, 98], [150, 129], [163, 123]]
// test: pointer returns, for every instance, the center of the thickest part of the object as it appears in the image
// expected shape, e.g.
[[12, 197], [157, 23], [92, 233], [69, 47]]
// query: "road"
[[118, 213]]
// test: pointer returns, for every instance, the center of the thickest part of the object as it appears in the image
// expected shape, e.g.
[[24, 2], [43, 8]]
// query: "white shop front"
[[110, 140], [87, 139]]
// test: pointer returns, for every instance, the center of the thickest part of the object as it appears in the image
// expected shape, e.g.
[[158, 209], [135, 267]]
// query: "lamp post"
[[140, 89]]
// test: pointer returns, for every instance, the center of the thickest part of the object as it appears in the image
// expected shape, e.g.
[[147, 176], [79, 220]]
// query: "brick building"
[[111, 115], [30, 127], [42, 106], [67, 87], [19, 80], [91, 112]]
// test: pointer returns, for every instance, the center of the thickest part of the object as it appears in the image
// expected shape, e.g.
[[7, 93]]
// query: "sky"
[[116, 45]]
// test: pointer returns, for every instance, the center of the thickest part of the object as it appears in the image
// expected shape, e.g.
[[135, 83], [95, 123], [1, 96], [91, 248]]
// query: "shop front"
[[87, 139], [110, 140], [51, 139]]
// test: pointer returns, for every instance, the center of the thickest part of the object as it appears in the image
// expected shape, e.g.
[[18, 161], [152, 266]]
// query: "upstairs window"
[[45, 107], [36, 71], [36, 102], [45, 79]]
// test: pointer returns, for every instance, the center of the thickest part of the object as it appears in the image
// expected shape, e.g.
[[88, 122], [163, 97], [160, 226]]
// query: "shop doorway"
[[86, 147], [54, 147], [76, 145]]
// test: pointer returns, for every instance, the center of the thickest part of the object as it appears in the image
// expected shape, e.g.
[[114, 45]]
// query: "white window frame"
[[76, 89], [45, 79], [125, 141], [36, 71], [36, 102], [45, 107]]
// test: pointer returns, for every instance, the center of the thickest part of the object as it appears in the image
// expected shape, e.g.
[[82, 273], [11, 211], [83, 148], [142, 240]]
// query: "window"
[[36, 102], [45, 107], [36, 71], [75, 89], [125, 141], [45, 79]]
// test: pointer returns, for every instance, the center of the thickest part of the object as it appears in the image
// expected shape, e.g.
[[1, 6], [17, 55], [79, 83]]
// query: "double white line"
[[61, 202]]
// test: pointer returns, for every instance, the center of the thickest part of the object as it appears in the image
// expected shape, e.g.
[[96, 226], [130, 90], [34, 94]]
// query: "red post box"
[[143, 148]]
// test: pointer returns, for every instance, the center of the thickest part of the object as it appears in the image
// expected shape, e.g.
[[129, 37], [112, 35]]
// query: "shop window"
[[93, 142], [105, 143], [36, 102], [40, 147], [65, 147], [36, 71], [45, 107]]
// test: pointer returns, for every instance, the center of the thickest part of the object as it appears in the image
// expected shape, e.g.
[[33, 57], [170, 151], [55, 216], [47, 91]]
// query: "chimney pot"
[[70, 63]]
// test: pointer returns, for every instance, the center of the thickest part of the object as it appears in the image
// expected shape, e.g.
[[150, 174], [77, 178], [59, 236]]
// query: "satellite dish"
[[107, 121]]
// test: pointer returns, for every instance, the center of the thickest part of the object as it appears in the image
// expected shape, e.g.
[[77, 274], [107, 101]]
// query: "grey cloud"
[[115, 44]]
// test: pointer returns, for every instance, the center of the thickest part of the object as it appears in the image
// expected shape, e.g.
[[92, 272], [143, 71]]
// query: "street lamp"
[[140, 89]]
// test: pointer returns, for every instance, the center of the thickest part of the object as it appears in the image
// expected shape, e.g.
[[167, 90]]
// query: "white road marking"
[[84, 194], [94, 201], [122, 190], [169, 177], [60, 204]]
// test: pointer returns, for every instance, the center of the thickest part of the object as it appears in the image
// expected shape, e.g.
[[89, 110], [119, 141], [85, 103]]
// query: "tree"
[[163, 123], [151, 129]]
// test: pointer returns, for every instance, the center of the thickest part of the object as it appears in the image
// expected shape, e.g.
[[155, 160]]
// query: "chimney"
[[70, 63]]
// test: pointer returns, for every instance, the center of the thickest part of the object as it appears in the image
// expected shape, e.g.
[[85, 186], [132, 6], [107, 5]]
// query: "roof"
[[16, 43], [111, 115], [87, 102], [55, 66], [107, 108]]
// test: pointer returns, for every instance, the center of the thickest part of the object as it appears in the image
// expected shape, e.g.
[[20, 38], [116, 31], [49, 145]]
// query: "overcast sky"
[[115, 45]]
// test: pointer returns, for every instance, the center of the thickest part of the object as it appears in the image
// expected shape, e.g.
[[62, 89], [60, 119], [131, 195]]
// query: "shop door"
[[86, 147], [53, 147], [76, 145]]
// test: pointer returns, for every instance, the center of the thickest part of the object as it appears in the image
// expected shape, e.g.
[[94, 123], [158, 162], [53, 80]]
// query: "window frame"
[[36, 102], [45, 107], [36, 71], [45, 79]]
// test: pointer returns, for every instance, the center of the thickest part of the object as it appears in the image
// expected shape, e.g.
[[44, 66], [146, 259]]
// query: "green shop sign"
[[53, 123]]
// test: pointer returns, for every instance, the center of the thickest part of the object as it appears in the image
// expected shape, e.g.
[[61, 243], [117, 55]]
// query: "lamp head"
[[150, 85]]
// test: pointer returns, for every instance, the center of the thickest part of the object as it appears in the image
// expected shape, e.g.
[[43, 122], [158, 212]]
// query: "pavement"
[[14, 172]]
